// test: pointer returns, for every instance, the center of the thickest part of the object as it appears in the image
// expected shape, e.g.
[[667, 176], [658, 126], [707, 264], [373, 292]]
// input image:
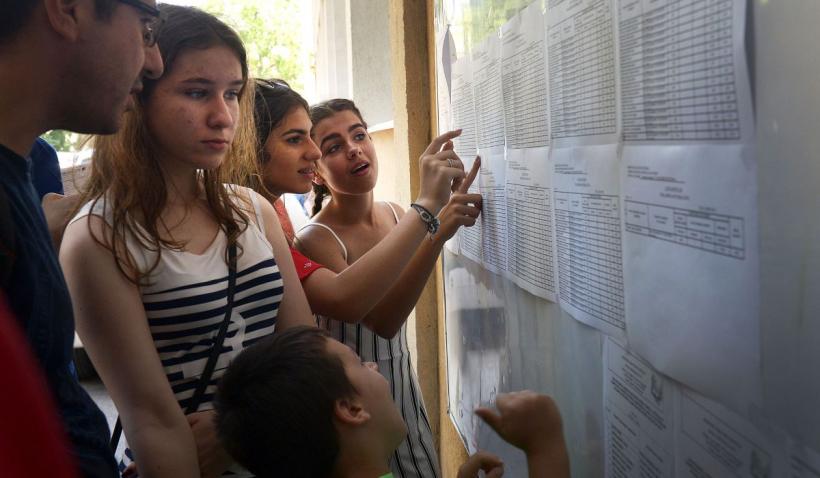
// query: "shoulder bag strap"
[[205, 378]]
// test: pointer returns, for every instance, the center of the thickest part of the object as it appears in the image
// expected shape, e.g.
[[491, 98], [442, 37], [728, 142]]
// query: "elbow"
[[384, 331]]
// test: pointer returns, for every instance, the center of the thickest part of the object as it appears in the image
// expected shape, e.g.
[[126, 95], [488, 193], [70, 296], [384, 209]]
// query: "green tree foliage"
[[271, 30], [60, 140]]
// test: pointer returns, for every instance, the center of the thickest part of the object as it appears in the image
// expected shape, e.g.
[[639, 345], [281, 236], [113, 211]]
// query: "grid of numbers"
[[590, 267], [582, 73], [677, 71]]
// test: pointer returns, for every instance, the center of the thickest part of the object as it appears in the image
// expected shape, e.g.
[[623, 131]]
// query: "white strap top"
[[336, 236]]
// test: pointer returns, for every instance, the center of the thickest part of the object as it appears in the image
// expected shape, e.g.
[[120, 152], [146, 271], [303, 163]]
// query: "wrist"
[[427, 217], [429, 204]]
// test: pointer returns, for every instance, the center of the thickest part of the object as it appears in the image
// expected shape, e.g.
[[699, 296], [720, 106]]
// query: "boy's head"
[[295, 403]]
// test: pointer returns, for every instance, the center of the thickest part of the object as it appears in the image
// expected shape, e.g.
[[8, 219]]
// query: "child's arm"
[[492, 465], [531, 422]]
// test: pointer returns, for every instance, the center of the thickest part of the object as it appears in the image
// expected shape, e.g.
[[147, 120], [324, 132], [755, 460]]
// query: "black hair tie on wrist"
[[427, 217]]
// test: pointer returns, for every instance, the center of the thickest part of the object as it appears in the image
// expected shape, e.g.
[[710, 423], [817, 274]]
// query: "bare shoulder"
[[399, 209], [318, 243], [85, 234]]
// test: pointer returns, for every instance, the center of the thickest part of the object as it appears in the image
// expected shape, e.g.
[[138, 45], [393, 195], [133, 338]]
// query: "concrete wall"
[[370, 59]]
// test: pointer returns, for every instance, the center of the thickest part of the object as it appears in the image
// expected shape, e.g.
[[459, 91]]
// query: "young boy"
[[300, 404]]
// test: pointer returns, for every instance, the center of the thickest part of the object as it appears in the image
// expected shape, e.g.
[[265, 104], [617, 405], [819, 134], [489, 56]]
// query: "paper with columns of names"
[[690, 192], [466, 145], [588, 236], [494, 210], [639, 416], [582, 71], [531, 239], [489, 109]]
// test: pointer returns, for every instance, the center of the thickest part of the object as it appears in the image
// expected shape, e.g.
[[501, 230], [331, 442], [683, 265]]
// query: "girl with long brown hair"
[[167, 260]]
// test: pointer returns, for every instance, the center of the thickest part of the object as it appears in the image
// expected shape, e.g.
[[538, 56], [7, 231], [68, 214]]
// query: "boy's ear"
[[350, 411]]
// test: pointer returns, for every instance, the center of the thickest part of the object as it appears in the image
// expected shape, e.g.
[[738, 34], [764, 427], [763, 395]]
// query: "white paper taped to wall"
[[588, 236], [582, 71], [531, 258], [683, 71], [714, 441], [639, 405], [524, 79], [494, 210], [531, 241], [691, 266]]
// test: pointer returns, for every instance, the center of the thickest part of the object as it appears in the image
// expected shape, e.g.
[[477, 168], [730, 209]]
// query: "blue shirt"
[[45, 169], [37, 294]]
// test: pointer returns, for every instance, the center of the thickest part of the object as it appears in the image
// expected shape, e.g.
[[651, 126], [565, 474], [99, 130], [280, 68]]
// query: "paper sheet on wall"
[[486, 66], [466, 145], [489, 105], [531, 243], [639, 411], [582, 71], [683, 71], [524, 80], [691, 266], [588, 236], [714, 441], [494, 210]]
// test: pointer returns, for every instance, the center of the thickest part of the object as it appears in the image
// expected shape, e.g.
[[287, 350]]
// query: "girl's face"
[[290, 155], [193, 111], [348, 163]]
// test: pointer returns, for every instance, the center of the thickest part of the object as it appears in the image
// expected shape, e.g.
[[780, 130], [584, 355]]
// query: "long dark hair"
[[319, 112], [273, 100]]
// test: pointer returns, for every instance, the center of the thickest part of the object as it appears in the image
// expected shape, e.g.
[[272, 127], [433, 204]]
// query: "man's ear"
[[350, 411], [66, 16]]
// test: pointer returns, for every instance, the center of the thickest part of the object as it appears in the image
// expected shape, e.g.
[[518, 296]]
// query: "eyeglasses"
[[151, 28]]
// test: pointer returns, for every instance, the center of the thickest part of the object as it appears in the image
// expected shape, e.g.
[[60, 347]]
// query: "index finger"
[[438, 142], [468, 181]]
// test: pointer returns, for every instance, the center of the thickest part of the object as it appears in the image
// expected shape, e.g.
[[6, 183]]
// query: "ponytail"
[[319, 193]]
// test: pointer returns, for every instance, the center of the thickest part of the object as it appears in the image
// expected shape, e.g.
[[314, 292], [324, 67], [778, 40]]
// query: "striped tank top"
[[186, 297]]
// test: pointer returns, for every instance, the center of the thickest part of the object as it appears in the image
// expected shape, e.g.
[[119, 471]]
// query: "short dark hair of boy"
[[15, 14], [275, 405]]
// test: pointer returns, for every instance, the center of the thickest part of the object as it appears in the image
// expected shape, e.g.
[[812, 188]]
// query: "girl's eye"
[[332, 149], [359, 136], [294, 140], [232, 94], [196, 94]]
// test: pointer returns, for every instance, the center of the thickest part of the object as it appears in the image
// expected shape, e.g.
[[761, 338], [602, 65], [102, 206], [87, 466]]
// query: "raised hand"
[[462, 209], [492, 466], [525, 419], [439, 168]]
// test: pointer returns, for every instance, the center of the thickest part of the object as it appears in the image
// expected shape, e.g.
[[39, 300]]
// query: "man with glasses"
[[75, 65]]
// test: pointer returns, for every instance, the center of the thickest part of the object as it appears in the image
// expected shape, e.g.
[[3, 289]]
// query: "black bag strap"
[[210, 365]]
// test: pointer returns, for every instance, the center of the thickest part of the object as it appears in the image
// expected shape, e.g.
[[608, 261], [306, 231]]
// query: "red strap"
[[304, 266], [284, 219]]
